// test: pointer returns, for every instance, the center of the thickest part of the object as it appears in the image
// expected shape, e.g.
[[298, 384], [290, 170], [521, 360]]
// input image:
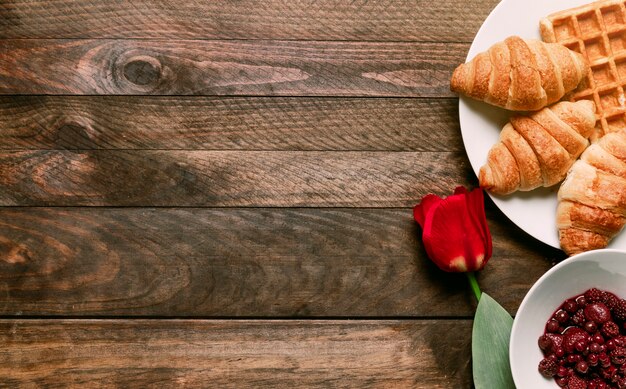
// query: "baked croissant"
[[592, 199], [539, 149], [520, 75]]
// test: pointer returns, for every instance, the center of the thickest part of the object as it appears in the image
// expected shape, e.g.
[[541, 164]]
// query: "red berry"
[[611, 300], [596, 348], [592, 359], [610, 344], [618, 356], [575, 382], [557, 341], [596, 383], [620, 310], [608, 372], [545, 343], [572, 336], [562, 381], [548, 367], [561, 316], [578, 318], [610, 329], [594, 295], [552, 326], [598, 313], [570, 306], [604, 360], [573, 358], [582, 367], [597, 338], [590, 327]]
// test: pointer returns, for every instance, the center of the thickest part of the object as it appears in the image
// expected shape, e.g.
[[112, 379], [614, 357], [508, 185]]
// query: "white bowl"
[[602, 269]]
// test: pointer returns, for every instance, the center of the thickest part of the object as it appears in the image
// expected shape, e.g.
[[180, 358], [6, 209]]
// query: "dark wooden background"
[[219, 193]]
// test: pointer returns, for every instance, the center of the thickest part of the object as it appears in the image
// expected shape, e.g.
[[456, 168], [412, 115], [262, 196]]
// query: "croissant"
[[520, 75], [592, 199], [539, 149]]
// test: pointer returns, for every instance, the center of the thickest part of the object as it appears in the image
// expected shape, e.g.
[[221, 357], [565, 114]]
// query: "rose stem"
[[474, 284]]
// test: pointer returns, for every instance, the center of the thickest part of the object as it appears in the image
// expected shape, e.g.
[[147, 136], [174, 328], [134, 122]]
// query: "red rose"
[[454, 230]]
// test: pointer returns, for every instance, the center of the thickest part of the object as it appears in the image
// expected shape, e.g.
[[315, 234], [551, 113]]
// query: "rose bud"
[[454, 230]]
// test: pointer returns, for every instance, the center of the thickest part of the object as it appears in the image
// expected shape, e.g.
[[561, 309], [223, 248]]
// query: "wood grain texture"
[[386, 20], [236, 354], [239, 123], [272, 68], [227, 178], [244, 263]]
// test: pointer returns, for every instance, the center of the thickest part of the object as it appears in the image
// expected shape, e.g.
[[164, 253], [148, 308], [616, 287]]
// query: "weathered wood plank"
[[244, 262], [235, 354], [387, 20], [274, 68], [227, 178], [238, 123]]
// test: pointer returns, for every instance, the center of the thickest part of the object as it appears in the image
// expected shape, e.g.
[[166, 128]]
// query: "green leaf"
[[490, 345]]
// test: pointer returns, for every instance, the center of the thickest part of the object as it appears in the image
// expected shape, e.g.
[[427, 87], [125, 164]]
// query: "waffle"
[[598, 32]]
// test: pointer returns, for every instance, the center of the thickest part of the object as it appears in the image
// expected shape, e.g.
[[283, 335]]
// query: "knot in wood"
[[13, 253], [73, 131], [143, 71]]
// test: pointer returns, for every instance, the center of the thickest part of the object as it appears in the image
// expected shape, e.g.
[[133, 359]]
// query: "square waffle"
[[598, 32]]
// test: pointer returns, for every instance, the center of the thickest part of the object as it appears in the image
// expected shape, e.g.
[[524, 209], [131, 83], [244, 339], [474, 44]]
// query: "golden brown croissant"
[[520, 75], [592, 199], [539, 149]]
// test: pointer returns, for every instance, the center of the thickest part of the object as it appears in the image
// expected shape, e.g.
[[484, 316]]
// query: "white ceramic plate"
[[602, 269], [535, 211]]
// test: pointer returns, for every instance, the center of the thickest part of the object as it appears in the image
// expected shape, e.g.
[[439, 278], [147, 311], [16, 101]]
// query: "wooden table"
[[219, 193]]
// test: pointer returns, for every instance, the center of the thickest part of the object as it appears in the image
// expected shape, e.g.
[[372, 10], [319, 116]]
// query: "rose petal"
[[460, 190], [443, 233], [476, 207], [421, 209], [455, 232]]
